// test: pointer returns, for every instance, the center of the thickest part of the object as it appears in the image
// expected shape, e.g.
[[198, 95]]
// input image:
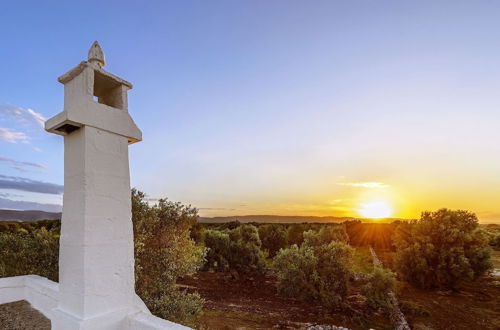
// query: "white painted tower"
[[96, 263], [96, 257]]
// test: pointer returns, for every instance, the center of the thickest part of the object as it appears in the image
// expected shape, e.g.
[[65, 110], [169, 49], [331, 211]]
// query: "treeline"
[[279, 235], [29, 227], [312, 262]]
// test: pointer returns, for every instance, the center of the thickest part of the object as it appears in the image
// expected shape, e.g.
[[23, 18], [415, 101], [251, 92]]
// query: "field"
[[252, 302], [474, 305]]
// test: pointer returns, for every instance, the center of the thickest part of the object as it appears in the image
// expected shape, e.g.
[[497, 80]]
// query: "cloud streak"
[[37, 117], [371, 185], [25, 184], [6, 203], [21, 166], [8, 195], [24, 116], [12, 136]]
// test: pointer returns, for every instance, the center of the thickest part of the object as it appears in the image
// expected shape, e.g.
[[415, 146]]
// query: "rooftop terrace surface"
[[19, 315]]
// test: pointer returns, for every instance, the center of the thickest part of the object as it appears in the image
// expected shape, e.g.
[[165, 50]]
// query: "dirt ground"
[[19, 315], [252, 302], [475, 305]]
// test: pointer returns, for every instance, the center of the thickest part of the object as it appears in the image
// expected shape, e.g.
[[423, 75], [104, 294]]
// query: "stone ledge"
[[143, 321], [43, 295]]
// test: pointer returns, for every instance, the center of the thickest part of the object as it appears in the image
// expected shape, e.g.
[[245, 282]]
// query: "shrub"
[[295, 234], [495, 241], [198, 233], [176, 305], [25, 253], [312, 273], [218, 250], [441, 249], [238, 249], [325, 235], [164, 251], [246, 253], [273, 237], [493, 233], [380, 283], [411, 308]]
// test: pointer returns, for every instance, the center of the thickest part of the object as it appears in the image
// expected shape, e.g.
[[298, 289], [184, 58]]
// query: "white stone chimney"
[[96, 262]]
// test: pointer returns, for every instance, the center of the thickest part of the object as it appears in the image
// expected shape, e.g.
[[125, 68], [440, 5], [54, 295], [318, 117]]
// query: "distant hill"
[[32, 215], [15, 215], [284, 219]]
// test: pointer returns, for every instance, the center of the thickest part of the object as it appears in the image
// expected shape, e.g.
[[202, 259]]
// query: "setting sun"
[[375, 210]]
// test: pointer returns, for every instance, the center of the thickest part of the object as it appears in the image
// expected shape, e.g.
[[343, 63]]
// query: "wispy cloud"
[[21, 166], [6, 203], [21, 115], [12, 136], [25, 184], [372, 185], [9, 195], [37, 117]]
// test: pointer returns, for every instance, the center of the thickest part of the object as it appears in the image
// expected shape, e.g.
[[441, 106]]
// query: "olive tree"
[[238, 249], [442, 249], [273, 237], [36, 252], [164, 252], [315, 272]]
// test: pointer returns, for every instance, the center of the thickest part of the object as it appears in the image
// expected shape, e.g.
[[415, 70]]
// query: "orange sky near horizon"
[[349, 199]]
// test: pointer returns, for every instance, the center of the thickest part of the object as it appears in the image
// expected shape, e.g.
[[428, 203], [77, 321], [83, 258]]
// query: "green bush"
[[380, 283], [442, 249], [493, 234], [315, 273], [411, 308], [25, 253], [164, 251], [273, 237], [246, 249], [295, 234], [495, 241], [176, 305], [218, 250], [198, 233], [325, 235], [238, 249]]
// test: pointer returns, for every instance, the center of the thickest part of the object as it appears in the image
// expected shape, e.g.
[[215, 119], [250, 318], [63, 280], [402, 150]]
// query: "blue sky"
[[269, 107]]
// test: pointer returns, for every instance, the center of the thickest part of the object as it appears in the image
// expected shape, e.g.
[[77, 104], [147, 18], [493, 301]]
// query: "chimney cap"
[[96, 55]]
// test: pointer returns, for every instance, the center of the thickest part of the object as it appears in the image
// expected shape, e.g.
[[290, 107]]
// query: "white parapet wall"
[[43, 295], [40, 292], [143, 321]]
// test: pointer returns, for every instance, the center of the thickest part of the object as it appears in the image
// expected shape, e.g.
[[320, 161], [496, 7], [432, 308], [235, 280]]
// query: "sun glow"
[[375, 210]]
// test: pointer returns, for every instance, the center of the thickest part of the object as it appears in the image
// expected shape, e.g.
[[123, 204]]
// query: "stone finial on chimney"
[[96, 55]]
